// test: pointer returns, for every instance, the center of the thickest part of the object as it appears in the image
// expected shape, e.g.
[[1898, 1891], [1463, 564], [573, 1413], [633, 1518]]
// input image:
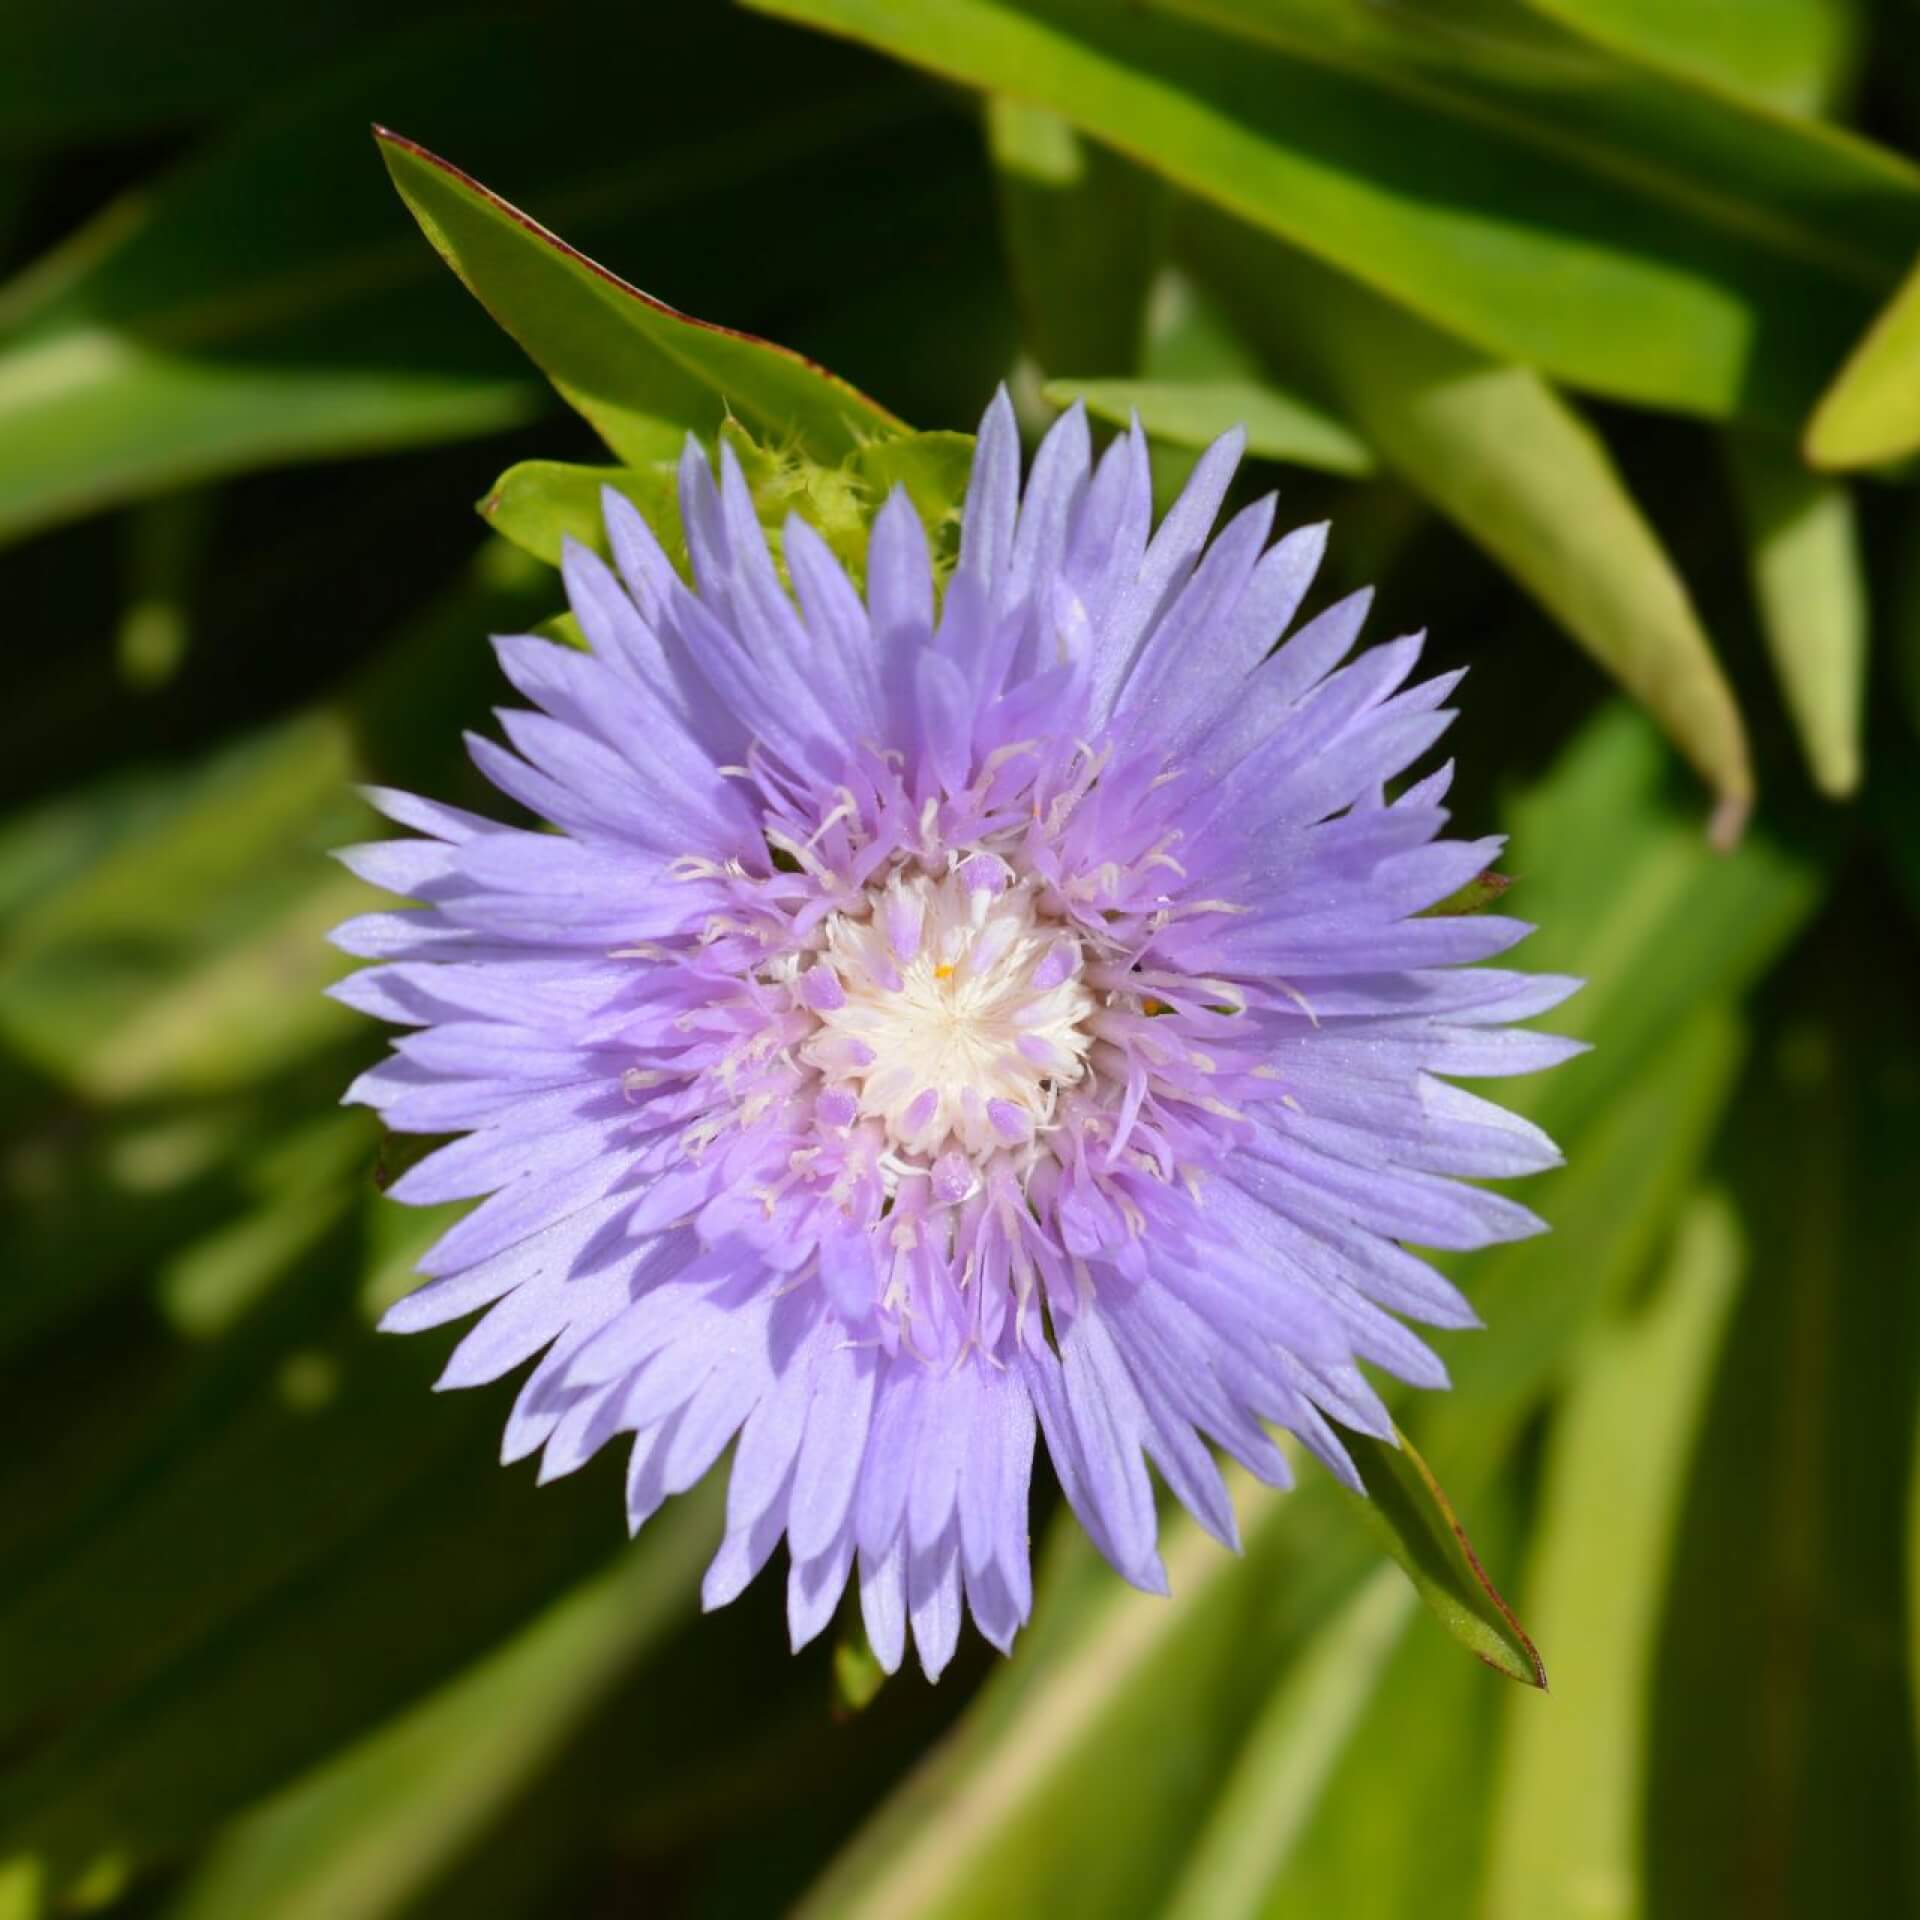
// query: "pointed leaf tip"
[[1422, 1532], [1476, 896]]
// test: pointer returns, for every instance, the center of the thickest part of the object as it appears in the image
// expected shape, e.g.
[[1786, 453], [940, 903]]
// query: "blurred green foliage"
[[1587, 321]]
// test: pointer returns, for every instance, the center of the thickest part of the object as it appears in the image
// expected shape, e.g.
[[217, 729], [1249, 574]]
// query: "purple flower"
[[949, 1017]]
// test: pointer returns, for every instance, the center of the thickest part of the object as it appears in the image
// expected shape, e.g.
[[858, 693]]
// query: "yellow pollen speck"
[[943, 973]]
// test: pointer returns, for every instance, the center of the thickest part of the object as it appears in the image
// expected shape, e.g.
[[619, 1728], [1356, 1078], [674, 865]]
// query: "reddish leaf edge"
[[1481, 1577], [386, 137]]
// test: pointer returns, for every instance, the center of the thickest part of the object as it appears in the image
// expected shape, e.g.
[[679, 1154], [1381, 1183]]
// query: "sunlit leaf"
[[1794, 54], [625, 360], [1279, 425], [1397, 1826], [541, 504], [933, 469], [1289, 1755], [1870, 414], [1809, 578], [1626, 897]]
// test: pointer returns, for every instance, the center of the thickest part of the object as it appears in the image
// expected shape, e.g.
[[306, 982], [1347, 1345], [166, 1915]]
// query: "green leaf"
[[1627, 897], [858, 1675], [1567, 1813], [192, 955], [934, 469], [625, 360], [1796, 55], [365, 1831], [1382, 1821], [1809, 579], [1414, 1517], [1611, 227], [1500, 453], [1484, 890], [1084, 231], [540, 504], [1290, 1753], [170, 941], [1783, 1775], [1279, 425], [1870, 414]]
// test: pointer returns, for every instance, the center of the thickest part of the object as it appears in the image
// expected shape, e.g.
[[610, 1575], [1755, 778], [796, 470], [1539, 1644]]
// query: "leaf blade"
[[1792, 54], [364, 1831], [1290, 1754], [1412, 1514], [1870, 412], [620, 357], [1809, 580], [1565, 1814]]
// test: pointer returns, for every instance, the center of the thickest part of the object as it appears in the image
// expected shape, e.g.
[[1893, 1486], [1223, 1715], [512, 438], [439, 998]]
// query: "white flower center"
[[950, 1011]]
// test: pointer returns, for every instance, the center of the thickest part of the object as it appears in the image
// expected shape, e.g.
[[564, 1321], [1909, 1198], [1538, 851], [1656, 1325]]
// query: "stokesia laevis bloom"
[[949, 1016]]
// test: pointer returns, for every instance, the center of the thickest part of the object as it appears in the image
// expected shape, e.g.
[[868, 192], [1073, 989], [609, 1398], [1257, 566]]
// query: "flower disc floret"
[[951, 1013]]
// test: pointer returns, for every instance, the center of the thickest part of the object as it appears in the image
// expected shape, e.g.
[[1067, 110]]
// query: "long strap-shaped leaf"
[[1570, 1783], [1809, 580], [1793, 54]]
